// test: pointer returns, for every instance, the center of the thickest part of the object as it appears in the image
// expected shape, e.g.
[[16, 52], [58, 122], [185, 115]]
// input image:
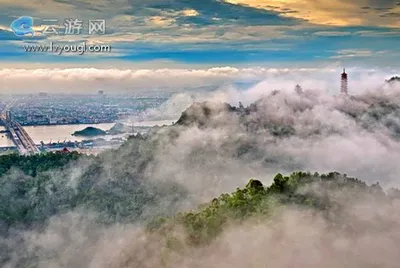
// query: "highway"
[[19, 136], [25, 139]]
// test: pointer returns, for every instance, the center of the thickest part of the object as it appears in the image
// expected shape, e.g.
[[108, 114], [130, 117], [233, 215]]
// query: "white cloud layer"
[[90, 80]]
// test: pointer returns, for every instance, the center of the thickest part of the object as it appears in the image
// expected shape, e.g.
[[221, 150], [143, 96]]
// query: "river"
[[4, 141], [60, 133]]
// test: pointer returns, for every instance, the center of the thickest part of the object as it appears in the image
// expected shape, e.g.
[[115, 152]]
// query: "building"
[[298, 89], [8, 116], [344, 83], [64, 151]]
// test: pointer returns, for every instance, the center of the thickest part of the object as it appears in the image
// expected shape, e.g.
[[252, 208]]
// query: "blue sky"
[[212, 32]]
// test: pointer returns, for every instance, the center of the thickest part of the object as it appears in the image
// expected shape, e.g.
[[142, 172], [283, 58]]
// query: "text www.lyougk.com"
[[80, 48]]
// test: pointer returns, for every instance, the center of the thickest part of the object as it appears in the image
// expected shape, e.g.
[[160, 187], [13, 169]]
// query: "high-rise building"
[[344, 83], [8, 116]]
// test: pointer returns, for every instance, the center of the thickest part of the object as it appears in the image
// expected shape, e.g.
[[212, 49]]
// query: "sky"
[[192, 34]]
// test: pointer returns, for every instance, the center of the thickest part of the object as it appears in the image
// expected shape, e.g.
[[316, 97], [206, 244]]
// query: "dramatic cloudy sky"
[[215, 32]]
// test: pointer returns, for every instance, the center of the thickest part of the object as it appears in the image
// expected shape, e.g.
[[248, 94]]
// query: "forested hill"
[[281, 114], [34, 188], [331, 195], [332, 198]]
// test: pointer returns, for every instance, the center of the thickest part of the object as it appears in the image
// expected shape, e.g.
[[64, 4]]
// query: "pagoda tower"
[[344, 83]]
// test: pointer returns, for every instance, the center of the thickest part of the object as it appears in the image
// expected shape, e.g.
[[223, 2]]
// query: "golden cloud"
[[160, 21], [190, 13], [333, 12]]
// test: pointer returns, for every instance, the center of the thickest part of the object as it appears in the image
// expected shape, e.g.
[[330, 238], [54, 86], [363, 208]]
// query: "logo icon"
[[23, 26]]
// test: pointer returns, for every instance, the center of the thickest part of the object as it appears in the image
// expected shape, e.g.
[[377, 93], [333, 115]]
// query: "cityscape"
[[53, 109], [45, 109]]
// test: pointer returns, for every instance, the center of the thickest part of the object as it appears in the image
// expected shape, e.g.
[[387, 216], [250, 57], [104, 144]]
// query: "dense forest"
[[34, 188], [325, 193], [33, 164], [34, 196]]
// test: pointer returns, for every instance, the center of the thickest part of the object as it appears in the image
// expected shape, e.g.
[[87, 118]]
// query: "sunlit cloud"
[[333, 13], [190, 12]]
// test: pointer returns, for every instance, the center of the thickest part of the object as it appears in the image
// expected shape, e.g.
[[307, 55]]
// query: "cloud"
[[370, 33], [337, 12], [351, 53], [190, 12], [133, 80], [184, 21], [332, 33], [160, 21], [156, 30]]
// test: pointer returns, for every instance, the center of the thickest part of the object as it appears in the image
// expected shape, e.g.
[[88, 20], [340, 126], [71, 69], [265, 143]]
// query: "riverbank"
[[66, 124], [60, 133]]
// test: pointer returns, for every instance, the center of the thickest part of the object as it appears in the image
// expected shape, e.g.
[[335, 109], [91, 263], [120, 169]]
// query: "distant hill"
[[90, 132], [119, 128]]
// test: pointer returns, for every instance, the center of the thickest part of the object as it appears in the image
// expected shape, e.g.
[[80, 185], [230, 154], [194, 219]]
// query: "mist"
[[294, 236], [331, 133], [215, 148]]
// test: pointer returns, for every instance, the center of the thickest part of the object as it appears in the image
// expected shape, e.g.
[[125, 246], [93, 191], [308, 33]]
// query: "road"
[[25, 139], [19, 136]]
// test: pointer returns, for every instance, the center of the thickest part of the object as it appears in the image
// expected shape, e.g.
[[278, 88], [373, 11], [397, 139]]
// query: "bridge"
[[19, 136]]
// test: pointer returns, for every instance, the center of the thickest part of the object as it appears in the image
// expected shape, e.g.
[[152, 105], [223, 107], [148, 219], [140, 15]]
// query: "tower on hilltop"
[[344, 83]]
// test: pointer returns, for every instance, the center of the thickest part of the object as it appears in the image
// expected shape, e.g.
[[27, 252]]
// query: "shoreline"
[[67, 124]]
